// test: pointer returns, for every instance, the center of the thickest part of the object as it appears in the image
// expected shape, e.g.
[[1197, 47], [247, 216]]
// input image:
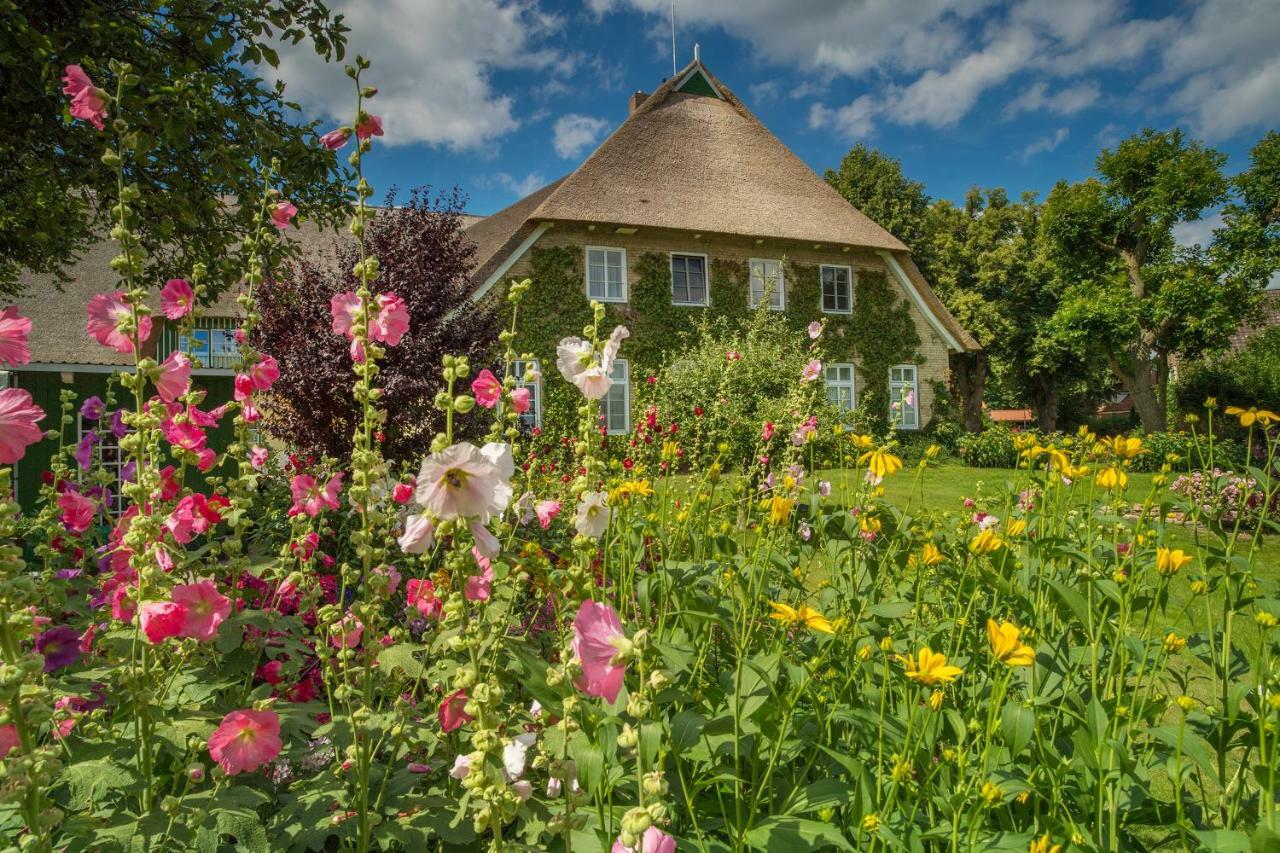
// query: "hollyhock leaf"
[[89, 781], [400, 656], [589, 760]]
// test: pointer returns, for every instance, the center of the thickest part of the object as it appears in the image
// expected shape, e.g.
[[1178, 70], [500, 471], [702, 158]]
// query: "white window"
[[837, 290], [106, 453], [606, 274], [767, 275], [615, 407], [213, 347], [904, 396], [688, 279], [840, 390], [528, 374]]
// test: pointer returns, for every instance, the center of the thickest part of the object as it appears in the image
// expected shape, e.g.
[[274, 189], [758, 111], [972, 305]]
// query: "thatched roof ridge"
[[694, 162]]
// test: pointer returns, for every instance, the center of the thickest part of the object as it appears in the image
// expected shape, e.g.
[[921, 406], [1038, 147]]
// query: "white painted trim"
[[706, 275], [822, 294], [764, 280], [906, 283], [697, 69], [498, 273], [914, 386], [536, 386], [586, 273], [852, 383], [50, 367], [625, 382]]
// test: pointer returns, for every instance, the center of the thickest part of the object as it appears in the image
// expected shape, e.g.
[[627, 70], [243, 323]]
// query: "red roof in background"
[[1011, 415]]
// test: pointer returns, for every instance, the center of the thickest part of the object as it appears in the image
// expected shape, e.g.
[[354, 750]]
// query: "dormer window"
[[606, 274]]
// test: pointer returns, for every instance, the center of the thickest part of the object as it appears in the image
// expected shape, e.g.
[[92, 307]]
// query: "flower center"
[[454, 478]]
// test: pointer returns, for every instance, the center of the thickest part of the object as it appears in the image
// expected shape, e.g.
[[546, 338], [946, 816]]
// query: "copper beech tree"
[[426, 259]]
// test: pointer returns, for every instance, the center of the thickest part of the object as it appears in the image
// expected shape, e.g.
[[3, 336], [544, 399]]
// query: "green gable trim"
[[698, 84]]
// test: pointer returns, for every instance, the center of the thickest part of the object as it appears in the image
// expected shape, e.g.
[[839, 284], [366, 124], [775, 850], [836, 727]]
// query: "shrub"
[[1246, 378], [994, 447]]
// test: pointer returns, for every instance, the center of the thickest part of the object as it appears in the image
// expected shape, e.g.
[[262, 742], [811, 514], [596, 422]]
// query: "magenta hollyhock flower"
[[343, 307], [77, 511], [258, 456], [282, 213], [766, 432], [421, 593], [161, 620], [9, 739], [487, 388], [479, 587], [204, 608], [93, 409], [335, 139], [453, 711], [84, 450], [596, 639], [546, 512], [107, 311], [173, 376], [13, 337], [390, 319], [88, 102], [370, 125], [310, 497], [177, 298], [521, 399], [812, 370], [18, 418], [264, 372], [402, 493], [60, 647], [245, 740]]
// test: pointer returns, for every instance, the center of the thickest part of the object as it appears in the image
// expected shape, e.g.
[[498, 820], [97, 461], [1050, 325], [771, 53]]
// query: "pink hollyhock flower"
[[282, 213], [546, 512], [264, 372], [812, 370], [18, 418], [402, 493], [242, 387], [393, 577], [453, 712], [766, 433], [203, 608], [520, 400], [77, 511], [418, 536], [335, 139], [88, 102], [654, 840], [597, 639], [311, 498], [123, 607], [13, 337], [173, 376], [258, 456], [177, 298], [193, 516], [161, 620], [346, 632], [422, 595], [9, 739], [245, 740], [733, 355], [824, 488], [467, 481], [479, 586], [370, 125], [107, 311], [815, 329], [343, 307], [487, 388], [390, 320]]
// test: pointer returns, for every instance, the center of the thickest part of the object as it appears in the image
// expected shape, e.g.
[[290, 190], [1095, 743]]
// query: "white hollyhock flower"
[[461, 767], [418, 536], [594, 382], [573, 356], [610, 353], [465, 481], [592, 516], [515, 753]]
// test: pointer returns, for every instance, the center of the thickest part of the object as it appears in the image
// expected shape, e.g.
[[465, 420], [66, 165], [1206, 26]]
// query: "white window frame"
[[822, 293], [780, 290], [900, 386], [851, 384], [706, 278], [520, 369], [586, 273], [106, 441], [625, 384]]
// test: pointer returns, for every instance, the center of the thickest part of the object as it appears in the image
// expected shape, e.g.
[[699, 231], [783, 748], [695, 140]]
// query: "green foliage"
[[1250, 377], [874, 183], [201, 130], [992, 448], [1186, 451]]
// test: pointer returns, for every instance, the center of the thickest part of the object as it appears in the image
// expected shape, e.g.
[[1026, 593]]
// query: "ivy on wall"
[[880, 333]]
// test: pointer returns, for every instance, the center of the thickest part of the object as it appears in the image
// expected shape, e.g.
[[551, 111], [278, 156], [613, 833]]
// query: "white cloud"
[[1199, 232], [518, 187], [432, 61], [941, 98], [1045, 143], [574, 133], [1065, 101], [852, 121]]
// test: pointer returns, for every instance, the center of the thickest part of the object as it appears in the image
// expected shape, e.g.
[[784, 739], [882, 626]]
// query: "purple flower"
[[60, 647], [84, 450], [118, 429], [93, 409], [126, 473]]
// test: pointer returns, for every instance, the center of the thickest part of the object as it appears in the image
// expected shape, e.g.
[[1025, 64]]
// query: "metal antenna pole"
[[673, 40]]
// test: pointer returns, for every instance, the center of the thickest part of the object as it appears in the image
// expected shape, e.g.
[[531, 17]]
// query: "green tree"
[[203, 119], [1136, 296], [1247, 247], [875, 184]]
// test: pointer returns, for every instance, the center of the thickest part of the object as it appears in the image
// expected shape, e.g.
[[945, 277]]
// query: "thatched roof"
[[696, 162], [497, 235]]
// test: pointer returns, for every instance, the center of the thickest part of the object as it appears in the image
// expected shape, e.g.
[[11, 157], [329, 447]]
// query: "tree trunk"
[[1144, 387], [968, 375], [1044, 402]]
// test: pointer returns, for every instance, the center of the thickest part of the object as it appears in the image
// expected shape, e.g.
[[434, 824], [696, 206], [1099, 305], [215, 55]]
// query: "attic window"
[[696, 83]]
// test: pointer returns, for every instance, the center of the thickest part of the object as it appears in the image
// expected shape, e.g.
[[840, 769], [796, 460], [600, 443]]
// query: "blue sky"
[[501, 96]]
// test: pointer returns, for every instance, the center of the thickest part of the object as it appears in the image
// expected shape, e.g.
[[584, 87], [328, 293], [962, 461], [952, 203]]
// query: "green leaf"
[[821, 794], [789, 834], [686, 728], [400, 656], [89, 781], [1017, 724]]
